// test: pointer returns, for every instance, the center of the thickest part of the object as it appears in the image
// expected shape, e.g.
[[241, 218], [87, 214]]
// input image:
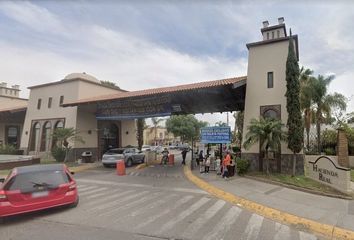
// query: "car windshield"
[[115, 151], [29, 182]]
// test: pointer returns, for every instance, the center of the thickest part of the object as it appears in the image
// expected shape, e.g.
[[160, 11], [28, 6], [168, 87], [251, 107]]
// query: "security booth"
[[217, 135]]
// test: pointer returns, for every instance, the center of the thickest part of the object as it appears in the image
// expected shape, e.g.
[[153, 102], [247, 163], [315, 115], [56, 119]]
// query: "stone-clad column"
[[342, 149]]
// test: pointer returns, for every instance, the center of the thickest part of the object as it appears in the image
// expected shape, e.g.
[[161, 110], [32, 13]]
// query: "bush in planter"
[[8, 149], [242, 166], [59, 154], [329, 151]]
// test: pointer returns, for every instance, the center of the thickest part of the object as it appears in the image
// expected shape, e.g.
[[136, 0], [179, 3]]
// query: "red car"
[[37, 187]]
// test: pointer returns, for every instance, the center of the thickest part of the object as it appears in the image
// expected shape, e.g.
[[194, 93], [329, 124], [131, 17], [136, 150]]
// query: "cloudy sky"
[[145, 44]]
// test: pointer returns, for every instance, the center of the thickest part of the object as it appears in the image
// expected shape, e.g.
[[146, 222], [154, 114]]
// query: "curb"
[[144, 165], [301, 223], [82, 168]]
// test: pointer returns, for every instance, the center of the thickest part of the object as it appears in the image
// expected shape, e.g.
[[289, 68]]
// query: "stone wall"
[[12, 164]]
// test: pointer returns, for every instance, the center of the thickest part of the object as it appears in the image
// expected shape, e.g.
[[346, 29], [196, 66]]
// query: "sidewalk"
[[327, 210]]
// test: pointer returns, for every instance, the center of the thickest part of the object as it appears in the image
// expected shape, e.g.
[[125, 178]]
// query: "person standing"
[[184, 154], [201, 158], [207, 164], [226, 164]]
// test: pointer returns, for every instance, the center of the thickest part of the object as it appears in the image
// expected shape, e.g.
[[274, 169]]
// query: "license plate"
[[40, 194]]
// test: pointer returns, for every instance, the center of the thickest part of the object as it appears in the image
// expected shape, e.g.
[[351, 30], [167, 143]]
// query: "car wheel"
[[74, 204], [129, 162], [143, 160], [106, 165], [2, 220]]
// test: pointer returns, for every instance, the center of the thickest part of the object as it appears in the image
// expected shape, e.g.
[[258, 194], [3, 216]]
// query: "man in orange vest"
[[225, 163]]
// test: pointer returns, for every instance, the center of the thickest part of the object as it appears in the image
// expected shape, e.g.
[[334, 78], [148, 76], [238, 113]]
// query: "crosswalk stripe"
[[152, 218], [253, 227], [152, 205], [131, 204], [87, 188], [93, 191], [101, 200], [205, 217], [282, 232], [111, 204], [97, 195], [170, 224], [224, 224], [306, 236]]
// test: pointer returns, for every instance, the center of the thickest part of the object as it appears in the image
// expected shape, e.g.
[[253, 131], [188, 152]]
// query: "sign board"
[[215, 135], [325, 170], [145, 107]]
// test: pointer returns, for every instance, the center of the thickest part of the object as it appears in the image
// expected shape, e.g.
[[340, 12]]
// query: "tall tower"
[[266, 88]]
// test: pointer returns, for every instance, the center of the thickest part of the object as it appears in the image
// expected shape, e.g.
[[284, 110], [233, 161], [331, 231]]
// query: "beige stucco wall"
[[130, 138], [263, 59], [8, 102], [70, 92], [87, 90], [86, 128]]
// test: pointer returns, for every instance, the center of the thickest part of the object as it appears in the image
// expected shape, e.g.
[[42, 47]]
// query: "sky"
[[148, 44]]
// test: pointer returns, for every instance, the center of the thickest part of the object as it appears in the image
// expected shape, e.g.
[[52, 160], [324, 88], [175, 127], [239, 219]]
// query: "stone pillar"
[[342, 149]]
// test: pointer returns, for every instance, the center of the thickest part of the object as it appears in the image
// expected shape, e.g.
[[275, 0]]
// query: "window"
[[270, 79], [39, 103], [273, 35], [49, 102], [278, 33], [46, 137], [267, 35], [35, 136], [61, 100]]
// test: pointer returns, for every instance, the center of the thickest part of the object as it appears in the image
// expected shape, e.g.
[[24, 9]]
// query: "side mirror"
[[72, 173], [2, 180]]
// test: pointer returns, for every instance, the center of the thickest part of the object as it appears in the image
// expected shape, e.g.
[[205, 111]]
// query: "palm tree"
[[62, 137], [306, 101], [266, 131], [324, 102], [155, 123]]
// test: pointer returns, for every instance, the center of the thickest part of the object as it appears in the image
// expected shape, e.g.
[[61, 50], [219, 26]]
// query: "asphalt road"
[[153, 203]]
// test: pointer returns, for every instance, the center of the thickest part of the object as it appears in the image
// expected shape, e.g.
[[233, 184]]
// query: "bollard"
[[120, 165], [171, 159]]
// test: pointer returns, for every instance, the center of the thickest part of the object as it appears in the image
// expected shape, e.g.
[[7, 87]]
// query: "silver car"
[[130, 156]]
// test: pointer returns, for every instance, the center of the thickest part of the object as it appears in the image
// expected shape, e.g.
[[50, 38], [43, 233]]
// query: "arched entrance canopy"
[[224, 95]]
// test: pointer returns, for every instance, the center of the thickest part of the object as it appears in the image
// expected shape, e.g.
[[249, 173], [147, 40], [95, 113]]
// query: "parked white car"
[[145, 148], [130, 156]]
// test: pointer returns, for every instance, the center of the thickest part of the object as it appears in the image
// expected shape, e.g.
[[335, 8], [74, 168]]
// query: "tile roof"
[[162, 90], [14, 109]]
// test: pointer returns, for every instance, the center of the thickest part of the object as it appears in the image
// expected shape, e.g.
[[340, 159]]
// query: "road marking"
[[119, 201], [130, 204], [253, 227], [281, 232], [152, 205], [187, 190], [194, 227], [170, 224], [93, 191], [87, 188], [177, 204], [97, 195], [107, 198], [307, 236], [224, 224]]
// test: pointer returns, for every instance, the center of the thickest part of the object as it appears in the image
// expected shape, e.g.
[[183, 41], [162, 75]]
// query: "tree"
[[221, 124], [324, 102], [140, 123], [155, 123], [306, 101], [109, 84], [294, 123], [266, 131], [185, 126], [63, 136], [239, 116]]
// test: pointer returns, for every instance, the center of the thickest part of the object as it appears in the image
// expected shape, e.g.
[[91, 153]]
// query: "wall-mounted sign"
[[326, 170], [151, 106], [215, 135]]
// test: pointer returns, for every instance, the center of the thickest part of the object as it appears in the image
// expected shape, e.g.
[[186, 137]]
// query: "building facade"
[[162, 136], [265, 92]]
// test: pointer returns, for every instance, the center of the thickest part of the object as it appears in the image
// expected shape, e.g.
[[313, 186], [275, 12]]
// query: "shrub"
[[59, 154], [329, 139], [8, 149], [242, 166], [236, 149], [329, 151]]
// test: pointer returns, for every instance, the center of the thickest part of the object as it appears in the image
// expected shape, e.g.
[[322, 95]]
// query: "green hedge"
[[59, 154], [8, 149], [242, 166]]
